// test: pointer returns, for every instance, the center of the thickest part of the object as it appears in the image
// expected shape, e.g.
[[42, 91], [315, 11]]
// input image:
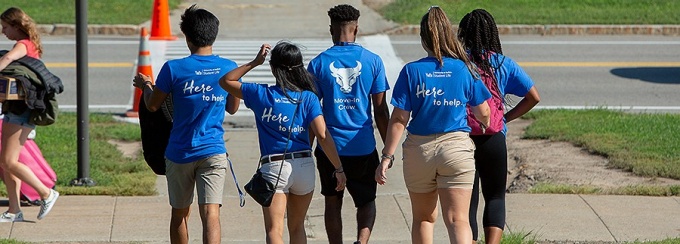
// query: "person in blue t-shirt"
[[284, 115], [430, 96], [479, 34], [195, 154], [349, 79]]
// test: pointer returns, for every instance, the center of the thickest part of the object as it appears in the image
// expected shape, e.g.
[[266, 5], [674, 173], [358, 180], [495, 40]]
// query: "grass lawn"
[[645, 144], [113, 173], [400, 11], [523, 237], [543, 12], [99, 11]]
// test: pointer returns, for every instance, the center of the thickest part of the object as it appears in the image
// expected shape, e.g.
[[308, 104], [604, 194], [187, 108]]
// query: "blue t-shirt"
[[274, 117], [199, 105], [511, 78], [437, 96], [346, 77]]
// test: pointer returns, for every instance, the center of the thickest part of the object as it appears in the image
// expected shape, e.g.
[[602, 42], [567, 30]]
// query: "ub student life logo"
[[437, 94], [210, 71]]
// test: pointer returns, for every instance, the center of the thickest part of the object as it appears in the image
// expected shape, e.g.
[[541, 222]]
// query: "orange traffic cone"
[[144, 67], [160, 21]]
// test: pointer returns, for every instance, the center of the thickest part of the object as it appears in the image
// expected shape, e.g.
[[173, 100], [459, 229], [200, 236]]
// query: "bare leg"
[[13, 190], [273, 218], [365, 221], [493, 235], [13, 139], [333, 219], [455, 210], [297, 212], [179, 232], [210, 218], [424, 209]]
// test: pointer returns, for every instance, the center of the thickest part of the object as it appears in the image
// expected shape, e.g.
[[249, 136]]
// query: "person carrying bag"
[[261, 190], [286, 160]]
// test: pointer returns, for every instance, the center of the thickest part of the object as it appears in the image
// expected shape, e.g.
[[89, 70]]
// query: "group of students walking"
[[335, 101]]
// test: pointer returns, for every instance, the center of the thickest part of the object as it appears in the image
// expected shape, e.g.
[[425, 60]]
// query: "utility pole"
[[83, 113]]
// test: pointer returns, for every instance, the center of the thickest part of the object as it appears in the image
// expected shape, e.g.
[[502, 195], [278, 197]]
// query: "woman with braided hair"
[[479, 34]]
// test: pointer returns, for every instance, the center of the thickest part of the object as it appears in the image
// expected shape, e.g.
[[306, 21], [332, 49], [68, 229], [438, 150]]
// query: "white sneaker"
[[10, 217], [47, 204]]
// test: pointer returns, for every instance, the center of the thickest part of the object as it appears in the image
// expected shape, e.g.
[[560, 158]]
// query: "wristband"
[[390, 157], [338, 170]]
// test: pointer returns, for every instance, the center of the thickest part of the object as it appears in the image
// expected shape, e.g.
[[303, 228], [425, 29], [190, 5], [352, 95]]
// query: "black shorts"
[[360, 173]]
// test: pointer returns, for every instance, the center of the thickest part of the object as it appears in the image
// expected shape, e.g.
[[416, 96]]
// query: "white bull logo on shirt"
[[345, 77]]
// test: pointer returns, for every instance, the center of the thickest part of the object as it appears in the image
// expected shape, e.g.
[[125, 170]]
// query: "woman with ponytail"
[[430, 96], [284, 114], [479, 34]]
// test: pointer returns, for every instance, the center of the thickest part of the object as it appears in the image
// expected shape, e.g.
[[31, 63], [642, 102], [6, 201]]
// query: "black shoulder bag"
[[261, 190]]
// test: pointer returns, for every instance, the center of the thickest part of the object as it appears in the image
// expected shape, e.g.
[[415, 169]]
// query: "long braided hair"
[[288, 68], [479, 34], [436, 34], [19, 19]]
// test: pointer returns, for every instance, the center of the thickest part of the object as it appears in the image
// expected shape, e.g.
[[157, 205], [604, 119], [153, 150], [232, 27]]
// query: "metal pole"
[[82, 97]]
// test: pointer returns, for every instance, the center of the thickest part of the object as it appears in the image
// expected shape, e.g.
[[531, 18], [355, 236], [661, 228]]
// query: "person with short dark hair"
[[196, 155], [350, 78], [479, 34], [430, 98], [285, 114]]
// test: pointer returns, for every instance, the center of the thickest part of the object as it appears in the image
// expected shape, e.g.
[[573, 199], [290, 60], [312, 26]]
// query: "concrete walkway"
[[571, 218]]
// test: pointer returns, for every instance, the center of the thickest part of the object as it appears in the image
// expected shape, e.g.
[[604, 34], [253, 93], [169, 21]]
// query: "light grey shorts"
[[207, 174], [298, 175], [438, 161]]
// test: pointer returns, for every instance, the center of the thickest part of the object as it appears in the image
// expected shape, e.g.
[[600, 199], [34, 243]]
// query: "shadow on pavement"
[[662, 75]]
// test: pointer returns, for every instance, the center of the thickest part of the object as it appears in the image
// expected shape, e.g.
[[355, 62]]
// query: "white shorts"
[[298, 175]]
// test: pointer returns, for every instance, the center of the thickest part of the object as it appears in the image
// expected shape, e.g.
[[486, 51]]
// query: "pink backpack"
[[496, 106]]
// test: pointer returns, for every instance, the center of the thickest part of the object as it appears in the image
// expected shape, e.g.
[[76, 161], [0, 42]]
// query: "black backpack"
[[155, 128]]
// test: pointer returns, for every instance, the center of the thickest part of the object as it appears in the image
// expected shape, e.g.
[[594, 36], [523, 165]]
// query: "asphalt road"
[[640, 72]]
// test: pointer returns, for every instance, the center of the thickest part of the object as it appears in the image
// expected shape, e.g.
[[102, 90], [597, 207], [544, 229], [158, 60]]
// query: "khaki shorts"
[[438, 161], [207, 175]]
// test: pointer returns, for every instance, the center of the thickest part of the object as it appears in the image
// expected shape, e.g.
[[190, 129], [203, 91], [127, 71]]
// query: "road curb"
[[665, 30], [70, 29]]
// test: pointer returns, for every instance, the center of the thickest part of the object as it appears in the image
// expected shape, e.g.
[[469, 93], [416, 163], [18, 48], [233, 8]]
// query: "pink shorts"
[[438, 161]]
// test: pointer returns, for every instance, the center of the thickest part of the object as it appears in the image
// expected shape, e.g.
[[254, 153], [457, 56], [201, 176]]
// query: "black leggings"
[[491, 162]]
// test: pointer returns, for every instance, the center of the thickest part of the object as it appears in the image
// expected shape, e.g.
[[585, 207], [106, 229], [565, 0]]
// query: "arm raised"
[[230, 83]]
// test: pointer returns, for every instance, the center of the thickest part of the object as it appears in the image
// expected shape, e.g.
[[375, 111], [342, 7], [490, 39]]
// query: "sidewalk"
[[572, 218], [564, 218]]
